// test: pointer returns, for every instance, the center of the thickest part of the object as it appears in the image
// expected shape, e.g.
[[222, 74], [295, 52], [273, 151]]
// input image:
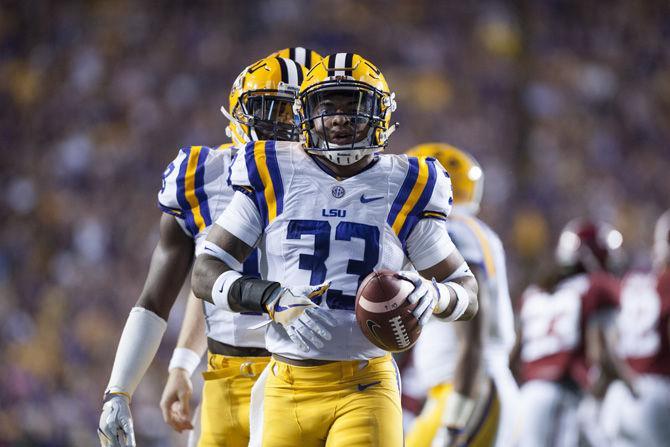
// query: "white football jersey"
[[195, 190], [434, 355], [319, 228]]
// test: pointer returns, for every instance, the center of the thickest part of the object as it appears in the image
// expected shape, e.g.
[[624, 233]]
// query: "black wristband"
[[250, 294]]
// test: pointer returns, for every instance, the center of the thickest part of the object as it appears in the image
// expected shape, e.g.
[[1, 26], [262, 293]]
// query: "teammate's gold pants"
[[225, 399], [480, 431], [348, 403]]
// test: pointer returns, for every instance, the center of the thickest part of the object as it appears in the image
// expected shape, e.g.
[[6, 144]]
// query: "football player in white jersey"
[[462, 368], [194, 191], [644, 342], [324, 214], [192, 342]]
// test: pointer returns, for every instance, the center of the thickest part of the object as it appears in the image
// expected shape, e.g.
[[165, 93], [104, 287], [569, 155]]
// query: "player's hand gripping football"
[[295, 310], [425, 294], [175, 402], [116, 423]]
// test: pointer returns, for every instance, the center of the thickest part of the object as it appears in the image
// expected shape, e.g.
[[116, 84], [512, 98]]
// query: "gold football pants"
[[340, 404], [225, 399], [480, 431]]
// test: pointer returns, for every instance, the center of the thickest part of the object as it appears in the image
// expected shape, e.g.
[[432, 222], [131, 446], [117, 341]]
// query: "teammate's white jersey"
[[434, 355], [195, 190], [312, 227]]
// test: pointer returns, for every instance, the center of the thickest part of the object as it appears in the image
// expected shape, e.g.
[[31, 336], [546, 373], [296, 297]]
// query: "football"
[[383, 312]]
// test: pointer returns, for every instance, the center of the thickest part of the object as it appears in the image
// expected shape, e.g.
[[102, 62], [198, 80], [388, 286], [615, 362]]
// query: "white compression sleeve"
[[137, 347], [429, 243]]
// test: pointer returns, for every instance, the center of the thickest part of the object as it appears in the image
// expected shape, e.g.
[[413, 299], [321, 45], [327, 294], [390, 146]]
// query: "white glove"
[[425, 294], [116, 423], [294, 309]]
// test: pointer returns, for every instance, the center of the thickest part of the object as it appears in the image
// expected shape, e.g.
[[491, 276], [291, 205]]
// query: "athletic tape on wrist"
[[185, 359], [211, 249], [443, 297], [221, 288], [462, 301], [458, 411]]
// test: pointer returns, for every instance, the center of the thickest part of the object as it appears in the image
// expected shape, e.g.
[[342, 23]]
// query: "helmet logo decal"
[[338, 192]]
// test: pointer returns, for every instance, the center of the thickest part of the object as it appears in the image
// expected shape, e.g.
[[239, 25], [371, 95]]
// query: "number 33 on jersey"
[[319, 228]]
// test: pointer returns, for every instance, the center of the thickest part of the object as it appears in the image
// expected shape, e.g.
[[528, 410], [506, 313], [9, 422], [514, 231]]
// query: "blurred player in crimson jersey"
[[644, 342], [561, 343]]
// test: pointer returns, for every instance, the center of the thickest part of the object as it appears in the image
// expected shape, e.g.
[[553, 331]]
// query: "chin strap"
[[386, 134]]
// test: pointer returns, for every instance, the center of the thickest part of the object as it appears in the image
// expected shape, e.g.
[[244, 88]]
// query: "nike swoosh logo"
[[369, 199], [365, 386], [279, 308]]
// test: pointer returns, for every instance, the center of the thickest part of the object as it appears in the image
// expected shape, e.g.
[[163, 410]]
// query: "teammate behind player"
[[192, 341], [559, 319], [304, 56], [194, 191], [644, 341], [323, 216], [463, 367]]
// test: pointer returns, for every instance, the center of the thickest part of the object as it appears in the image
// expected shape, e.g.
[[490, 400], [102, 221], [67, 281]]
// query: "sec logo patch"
[[338, 192]]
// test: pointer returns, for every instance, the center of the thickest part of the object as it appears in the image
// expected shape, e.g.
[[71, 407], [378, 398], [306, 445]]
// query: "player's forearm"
[[467, 369], [214, 281], [467, 298], [470, 339], [457, 287], [514, 361], [471, 287], [146, 322], [192, 341], [469, 357], [192, 334], [462, 401], [206, 270]]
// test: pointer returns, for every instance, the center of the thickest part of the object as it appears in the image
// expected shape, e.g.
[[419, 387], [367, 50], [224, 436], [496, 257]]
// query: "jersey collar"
[[321, 165]]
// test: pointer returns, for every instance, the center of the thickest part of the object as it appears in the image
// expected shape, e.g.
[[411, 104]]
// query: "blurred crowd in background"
[[566, 104]]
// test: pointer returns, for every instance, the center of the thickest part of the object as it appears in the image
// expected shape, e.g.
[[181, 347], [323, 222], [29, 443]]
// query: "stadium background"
[[566, 104]]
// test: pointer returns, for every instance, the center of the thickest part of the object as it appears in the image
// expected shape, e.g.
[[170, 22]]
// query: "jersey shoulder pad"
[[260, 170], [190, 181], [423, 192]]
